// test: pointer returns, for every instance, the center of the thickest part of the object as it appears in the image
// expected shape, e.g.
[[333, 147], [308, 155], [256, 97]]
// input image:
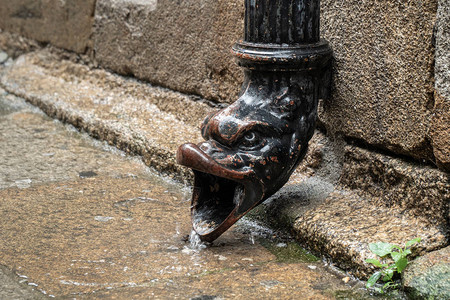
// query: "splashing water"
[[252, 238], [195, 242]]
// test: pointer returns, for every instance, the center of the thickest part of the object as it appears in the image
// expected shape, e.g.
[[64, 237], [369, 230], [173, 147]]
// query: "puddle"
[[288, 252], [195, 242], [8, 107]]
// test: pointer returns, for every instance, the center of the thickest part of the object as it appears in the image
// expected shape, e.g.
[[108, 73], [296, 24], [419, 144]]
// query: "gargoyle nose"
[[222, 127], [228, 128]]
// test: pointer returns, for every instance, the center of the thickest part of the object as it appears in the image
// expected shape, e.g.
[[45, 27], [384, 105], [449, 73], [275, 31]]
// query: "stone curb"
[[120, 111], [339, 225]]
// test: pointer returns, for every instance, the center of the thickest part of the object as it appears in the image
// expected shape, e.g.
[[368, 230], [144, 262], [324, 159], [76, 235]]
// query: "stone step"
[[137, 118], [340, 224]]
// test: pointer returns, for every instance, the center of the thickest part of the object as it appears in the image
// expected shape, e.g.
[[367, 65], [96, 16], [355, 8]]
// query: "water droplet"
[[23, 184], [103, 219], [173, 248]]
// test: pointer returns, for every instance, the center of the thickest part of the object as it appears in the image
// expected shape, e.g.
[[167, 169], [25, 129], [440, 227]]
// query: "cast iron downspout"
[[253, 146]]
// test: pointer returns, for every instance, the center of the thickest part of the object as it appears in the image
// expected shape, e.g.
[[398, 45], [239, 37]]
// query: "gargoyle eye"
[[250, 140]]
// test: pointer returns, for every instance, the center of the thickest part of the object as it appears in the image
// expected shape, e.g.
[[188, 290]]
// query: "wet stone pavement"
[[81, 220]]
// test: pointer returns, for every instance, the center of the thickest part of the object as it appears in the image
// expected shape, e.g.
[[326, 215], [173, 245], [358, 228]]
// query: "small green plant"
[[387, 271]]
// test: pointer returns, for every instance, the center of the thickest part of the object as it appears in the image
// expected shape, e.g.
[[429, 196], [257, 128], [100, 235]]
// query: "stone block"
[[392, 182], [383, 73], [440, 131], [65, 24], [428, 277], [440, 134], [344, 225], [182, 45]]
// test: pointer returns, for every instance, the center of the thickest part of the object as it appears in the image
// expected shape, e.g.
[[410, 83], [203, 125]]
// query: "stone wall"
[[441, 116], [384, 62], [65, 24], [182, 45], [383, 88], [391, 68]]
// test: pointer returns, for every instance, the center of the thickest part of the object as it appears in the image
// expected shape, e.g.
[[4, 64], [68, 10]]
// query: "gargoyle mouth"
[[221, 196]]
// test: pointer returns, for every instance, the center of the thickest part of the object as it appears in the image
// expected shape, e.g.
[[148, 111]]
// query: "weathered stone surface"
[[345, 224], [183, 45], [15, 45], [383, 73], [388, 181], [151, 122], [295, 199], [440, 133], [442, 37], [422, 190], [383, 92], [66, 24], [428, 277]]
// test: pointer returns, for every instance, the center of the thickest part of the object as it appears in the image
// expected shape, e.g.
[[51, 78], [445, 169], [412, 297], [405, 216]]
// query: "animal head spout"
[[249, 152], [252, 147]]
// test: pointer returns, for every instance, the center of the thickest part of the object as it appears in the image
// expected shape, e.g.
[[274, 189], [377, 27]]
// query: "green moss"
[[361, 294], [431, 285], [290, 253]]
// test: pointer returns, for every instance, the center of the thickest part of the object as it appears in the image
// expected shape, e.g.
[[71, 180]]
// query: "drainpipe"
[[253, 146]]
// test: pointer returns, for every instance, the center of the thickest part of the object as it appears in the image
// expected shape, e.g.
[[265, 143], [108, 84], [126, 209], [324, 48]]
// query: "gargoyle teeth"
[[215, 200]]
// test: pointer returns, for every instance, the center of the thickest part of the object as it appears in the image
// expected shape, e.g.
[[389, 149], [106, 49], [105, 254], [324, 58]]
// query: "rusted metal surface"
[[252, 147]]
